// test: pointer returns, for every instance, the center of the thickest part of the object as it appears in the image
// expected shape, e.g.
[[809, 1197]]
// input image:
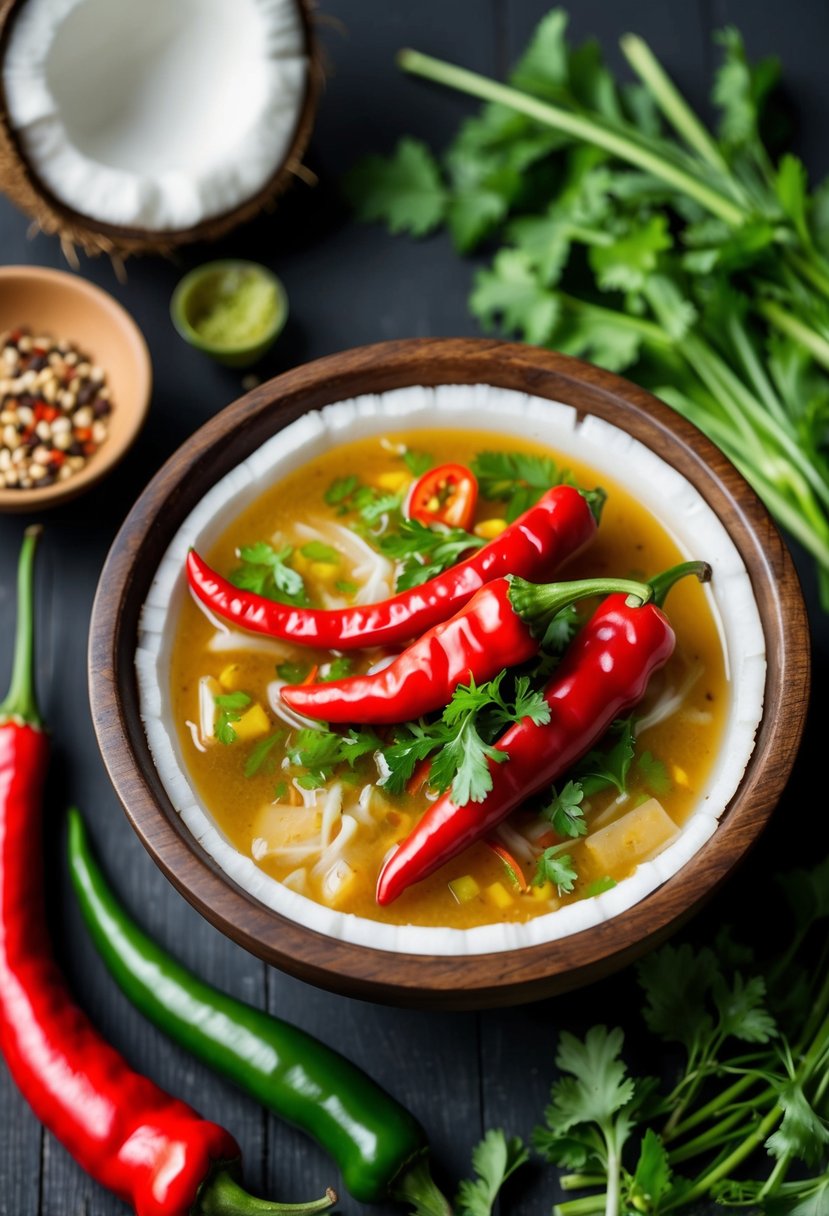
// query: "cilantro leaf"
[[565, 812], [556, 868], [337, 669], [260, 758], [322, 752], [653, 773], [404, 190], [803, 1133], [292, 672], [651, 1181], [516, 478], [676, 981], [341, 490], [463, 763], [609, 764], [494, 1159], [543, 68], [426, 552], [232, 705], [512, 290], [624, 263], [264, 570], [740, 1008], [417, 462], [741, 89]]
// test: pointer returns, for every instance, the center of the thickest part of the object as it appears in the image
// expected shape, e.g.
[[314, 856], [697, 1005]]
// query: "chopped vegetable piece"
[[498, 895], [231, 706], [636, 836], [490, 528], [464, 889]]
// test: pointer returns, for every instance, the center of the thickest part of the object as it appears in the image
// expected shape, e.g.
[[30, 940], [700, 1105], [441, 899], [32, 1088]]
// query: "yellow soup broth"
[[330, 843]]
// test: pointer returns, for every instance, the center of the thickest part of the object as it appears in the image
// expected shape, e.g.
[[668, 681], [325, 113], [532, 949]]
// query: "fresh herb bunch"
[[628, 233], [425, 552], [745, 1123]]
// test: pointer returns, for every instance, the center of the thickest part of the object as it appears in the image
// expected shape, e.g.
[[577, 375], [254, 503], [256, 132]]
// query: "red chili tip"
[[389, 884]]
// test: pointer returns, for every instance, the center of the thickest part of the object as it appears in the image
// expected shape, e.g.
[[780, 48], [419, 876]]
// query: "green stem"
[[810, 270], [670, 101], [714, 1137], [540, 603], [577, 1182], [585, 1206], [662, 583], [221, 1195], [793, 327], [415, 1186], [723, 1168], [649, 331], [580, 127], [21, 699], [715, 1105]]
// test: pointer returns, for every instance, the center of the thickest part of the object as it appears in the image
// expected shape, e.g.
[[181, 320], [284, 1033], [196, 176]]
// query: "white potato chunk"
[[634, 838]]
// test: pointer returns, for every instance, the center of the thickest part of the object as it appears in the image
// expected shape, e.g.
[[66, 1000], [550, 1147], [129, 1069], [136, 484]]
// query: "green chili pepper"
[[380, 1148]]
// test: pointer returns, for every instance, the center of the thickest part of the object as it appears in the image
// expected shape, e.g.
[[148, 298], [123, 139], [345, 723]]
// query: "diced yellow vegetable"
[[338, 881], [253, 723], [498, 895], [300, 563], [232, 677], [638, 835], [324, 570], [679, 775], [464, 888], [544, 891], [393, 481], [488, 529]]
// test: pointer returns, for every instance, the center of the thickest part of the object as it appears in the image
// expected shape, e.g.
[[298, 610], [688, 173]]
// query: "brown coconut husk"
[[20, 183]]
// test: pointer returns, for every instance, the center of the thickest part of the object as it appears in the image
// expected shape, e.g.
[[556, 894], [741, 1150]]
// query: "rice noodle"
[[670, 701], [348, 829], [233, 639], [283, 711], [194, 735], [331, 813], [209, 689], [361, 809], [389, 445], [309, 797], [516, 843]]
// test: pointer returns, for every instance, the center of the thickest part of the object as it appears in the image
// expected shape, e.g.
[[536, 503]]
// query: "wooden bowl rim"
[[472, 981], [116, 446]]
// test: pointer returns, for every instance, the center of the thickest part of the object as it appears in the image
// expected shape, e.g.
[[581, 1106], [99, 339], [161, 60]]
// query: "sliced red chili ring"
[[445, 495]]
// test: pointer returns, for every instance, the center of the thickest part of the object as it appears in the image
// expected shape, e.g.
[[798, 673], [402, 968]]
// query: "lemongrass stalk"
[[579, 126]]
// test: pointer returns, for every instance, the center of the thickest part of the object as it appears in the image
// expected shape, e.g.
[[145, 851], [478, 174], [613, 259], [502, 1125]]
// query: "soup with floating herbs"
[[367, 684]]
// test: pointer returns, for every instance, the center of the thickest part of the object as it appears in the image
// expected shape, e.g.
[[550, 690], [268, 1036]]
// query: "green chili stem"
[[21, 699], [663, 582], [595, 500], [221, 1195], [539, 603]]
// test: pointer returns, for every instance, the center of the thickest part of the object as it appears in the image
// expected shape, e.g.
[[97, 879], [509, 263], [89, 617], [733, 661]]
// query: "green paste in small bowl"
[[233, 310]]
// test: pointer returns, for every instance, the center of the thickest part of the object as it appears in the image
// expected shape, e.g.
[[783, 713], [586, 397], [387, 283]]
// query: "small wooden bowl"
[[464, 980], [64, 305]]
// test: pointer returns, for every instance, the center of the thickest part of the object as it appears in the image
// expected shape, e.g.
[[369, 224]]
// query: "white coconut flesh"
[[609, 450], [155, 115]]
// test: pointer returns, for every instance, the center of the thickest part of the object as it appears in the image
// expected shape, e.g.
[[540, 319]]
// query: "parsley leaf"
[[516, 478], [426, 552], [322, 752], [512, 290], [337, 669], [416, 462], [293, 672], [404, 190], [653, 773], [232, 705], [265, 572], [493, 1161]]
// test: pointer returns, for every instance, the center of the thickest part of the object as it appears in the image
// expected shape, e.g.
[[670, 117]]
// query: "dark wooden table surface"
[[347, 285]]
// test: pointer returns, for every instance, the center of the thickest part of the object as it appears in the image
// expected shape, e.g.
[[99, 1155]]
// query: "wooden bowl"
[[461, 980], [64, 305]]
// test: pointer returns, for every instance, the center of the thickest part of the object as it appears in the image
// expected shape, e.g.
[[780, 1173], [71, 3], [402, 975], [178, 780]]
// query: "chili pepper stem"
[[540, 603], [595, 500], [21, 699], [416, 1186], [221, 1195], [663, 582]]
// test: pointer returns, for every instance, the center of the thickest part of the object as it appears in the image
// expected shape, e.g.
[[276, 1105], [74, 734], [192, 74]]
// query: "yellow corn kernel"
[[393, 481], [464, 888], [324, 571], [253, 722], [300, 563], [231, 678], [544, 891], [498, 895], [679, 775], [488, 529]]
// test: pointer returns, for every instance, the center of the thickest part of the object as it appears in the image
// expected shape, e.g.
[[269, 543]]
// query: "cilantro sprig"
[[494, 1160], [231, 706], [460, 742], [425, 552], [323, 754], [267, 572], [369, 504], [627, 232], [518, 479]]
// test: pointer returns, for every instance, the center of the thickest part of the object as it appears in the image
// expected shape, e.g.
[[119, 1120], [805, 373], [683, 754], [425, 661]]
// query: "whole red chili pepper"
[[559, 524], [149, 1148], [605, 671], [475, 644]]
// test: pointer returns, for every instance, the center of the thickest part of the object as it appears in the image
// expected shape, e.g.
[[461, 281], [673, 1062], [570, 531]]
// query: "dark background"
[[348, 285]]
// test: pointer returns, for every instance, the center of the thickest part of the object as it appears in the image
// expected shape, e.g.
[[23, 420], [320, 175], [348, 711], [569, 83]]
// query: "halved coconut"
[[128, 127]]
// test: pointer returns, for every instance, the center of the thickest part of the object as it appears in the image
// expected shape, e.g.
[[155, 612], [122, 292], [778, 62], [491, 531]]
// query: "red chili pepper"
[[605, 671], [445, 495], [559, 524], [475, 644], [149, 1148]]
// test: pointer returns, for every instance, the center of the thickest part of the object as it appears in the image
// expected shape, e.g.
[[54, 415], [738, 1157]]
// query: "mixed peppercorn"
[[54, 410]]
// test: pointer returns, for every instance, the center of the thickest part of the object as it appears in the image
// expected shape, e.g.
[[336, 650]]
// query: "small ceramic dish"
[[65, 306], [231, 309], [511, 391]]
